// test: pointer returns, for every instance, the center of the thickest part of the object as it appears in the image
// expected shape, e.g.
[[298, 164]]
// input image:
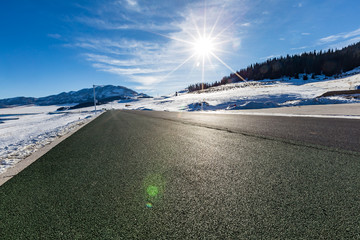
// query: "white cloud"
[[340, 36], [109, 61], [352, 34], [236, 43], [132, 2], [247, 24], [300, 48], [329, 39], [147, 81], [125, 70], [305, 34], [116, 47], [54, 35], [132, 5], [345, 43], [270, 57], [150, 62], [124, 24]]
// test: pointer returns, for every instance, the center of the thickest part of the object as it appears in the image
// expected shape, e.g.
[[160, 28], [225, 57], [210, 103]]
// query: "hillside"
[[259, 94], [103, 93], [330, 63]]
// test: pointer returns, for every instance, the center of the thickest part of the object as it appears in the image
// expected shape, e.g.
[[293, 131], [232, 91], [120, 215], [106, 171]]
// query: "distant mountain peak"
[[102, 93]]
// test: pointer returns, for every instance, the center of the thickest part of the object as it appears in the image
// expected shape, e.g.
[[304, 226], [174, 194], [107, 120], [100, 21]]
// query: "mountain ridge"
[[103, 93]]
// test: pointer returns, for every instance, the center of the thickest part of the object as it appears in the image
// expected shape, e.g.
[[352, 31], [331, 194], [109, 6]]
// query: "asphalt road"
[[331, 132], [148, 175]]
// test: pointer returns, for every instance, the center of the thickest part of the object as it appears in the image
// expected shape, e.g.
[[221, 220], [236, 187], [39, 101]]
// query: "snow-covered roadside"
[[252, 95], [29, 133], [20, 138]]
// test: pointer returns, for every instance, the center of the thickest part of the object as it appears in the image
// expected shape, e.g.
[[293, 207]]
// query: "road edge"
[[21, 165]]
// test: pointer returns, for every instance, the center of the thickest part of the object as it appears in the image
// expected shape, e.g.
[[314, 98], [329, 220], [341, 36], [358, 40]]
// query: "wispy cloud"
[[345, 43], [167, 48], [300, 48], [330, 39], [148, 81], [124, 70], [123, 24], [340, 36], [247, 24], [270, 57], [133, 4], [54, 35], [109, 61]]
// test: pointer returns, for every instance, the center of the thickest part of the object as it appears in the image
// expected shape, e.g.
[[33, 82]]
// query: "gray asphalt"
[[195, 176], [331, 132]]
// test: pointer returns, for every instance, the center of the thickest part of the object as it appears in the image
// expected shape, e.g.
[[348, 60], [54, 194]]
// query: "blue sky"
[[47, 47]]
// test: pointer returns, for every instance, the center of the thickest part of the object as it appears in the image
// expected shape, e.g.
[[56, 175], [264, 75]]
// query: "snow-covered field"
[[19, 138], [253, 95], [34, 128]]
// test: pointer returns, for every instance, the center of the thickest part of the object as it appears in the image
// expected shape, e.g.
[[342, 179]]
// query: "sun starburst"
[[204, 45]]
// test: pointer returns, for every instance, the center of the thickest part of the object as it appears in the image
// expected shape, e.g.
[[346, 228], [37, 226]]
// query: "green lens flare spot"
[[153, 188], [149, 205], [152, 191]]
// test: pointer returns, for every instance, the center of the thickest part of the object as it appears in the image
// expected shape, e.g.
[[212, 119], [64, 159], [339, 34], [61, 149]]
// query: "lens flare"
[[153, 187], [152, 191], [204, 44]]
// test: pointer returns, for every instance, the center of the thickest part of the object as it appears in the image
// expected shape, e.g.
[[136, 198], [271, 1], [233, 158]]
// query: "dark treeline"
[[329, 63]]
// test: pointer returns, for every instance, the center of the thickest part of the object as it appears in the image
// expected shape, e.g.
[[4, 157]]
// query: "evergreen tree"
[[329, 63]]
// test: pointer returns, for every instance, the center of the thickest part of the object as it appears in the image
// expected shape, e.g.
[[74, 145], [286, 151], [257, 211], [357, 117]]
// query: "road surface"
[[332, 132], [149, 175]]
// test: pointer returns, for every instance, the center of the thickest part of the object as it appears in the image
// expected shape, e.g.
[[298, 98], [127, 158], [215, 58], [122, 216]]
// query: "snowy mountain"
[[103, 93]]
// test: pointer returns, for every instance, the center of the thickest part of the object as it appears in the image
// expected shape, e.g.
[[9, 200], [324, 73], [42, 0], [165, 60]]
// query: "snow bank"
[[252, 95], [20, 138], [253, 105]]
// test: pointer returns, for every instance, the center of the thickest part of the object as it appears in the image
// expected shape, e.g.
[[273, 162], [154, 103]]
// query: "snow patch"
[[254, 95], [29, 133]]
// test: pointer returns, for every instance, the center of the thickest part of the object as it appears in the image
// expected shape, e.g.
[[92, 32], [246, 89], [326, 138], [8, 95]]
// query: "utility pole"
[[94, 98]]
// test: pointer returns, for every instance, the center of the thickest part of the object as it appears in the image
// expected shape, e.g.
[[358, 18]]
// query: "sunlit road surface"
[[148, 175]]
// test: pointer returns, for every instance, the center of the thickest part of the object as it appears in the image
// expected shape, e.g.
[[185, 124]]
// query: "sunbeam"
[[216, 22], [214, 55], [180, 65], [226, 28], [195, 25], [206, 45], [172, 38]]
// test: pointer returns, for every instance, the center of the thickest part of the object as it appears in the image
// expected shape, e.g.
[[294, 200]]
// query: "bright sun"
[[203, 46]]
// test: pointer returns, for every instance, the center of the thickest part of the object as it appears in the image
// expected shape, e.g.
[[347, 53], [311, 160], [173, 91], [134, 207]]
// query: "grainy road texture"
[[332, 132], [131, 175]]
